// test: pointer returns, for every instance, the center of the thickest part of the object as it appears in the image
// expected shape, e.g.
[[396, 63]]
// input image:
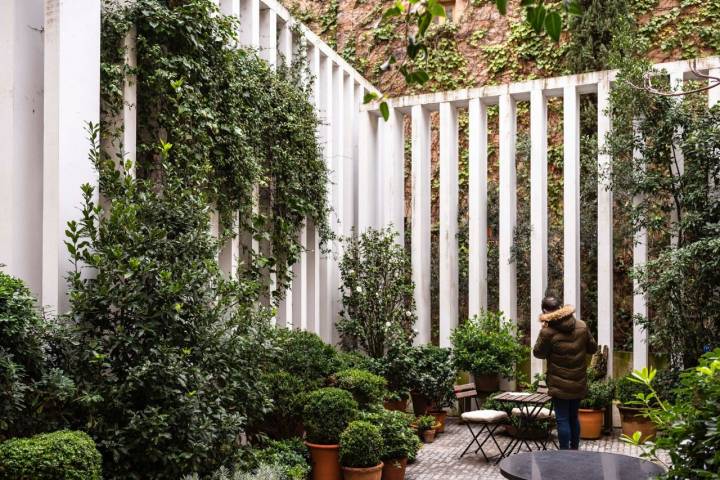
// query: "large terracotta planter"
[[591, 423], [428, 436], [394, 469], [396, 405], [633, 421], [325, 460], [420, 403], [487, 383], [440, 416], [371, 473]]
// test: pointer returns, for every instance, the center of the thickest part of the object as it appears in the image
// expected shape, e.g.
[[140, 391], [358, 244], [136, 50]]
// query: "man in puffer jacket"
[[565, 342]]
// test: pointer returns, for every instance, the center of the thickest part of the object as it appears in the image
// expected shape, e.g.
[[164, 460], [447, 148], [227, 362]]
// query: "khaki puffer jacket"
[[565, 343]]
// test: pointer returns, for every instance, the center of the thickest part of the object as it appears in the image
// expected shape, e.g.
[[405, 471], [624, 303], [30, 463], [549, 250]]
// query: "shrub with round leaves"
[[327, 412], [361, 445], [63, 455], [600, 394], [433, 375], [366, 388], [305, 355], [399, 437]]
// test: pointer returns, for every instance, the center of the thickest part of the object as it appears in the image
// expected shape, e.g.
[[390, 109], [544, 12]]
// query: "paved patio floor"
[[440, 459]]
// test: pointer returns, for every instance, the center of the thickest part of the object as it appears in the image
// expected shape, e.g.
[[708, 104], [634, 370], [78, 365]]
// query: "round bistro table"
[[577, 465]]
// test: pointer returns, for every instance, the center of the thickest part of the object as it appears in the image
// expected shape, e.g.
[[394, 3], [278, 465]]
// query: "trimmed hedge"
[[366, 388], [361, 445], [63, 455], [328, 411]]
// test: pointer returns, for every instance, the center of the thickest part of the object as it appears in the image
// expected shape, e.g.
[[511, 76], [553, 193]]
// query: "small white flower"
[[416, 331], [358, 289], [387, 324], [408, 313]]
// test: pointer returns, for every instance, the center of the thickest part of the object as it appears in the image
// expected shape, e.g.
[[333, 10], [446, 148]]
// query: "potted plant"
[[400, 441], [488, 347], [427, 428], [631, 411], [327, 413], [432, 382], [367, 389], [361, 446], [592, 408]]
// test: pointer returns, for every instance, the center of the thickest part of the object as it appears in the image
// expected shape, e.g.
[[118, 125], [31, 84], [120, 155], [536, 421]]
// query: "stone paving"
[[440, 459]]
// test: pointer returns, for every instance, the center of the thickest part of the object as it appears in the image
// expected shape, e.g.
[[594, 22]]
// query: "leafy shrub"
[[487, 345], [600, 394], [396, 367], [261, 472], [284, 418], [399, 438], [426, 422], [291, 456], [377, 293], [32, 393], [62, 455], [328, 411], [666, 383], [305, 355], [361, 445], [433, 375], [367, 388], [627, 391]]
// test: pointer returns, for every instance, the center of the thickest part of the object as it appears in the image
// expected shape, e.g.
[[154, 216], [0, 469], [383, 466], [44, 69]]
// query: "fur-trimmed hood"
[[561, 319]]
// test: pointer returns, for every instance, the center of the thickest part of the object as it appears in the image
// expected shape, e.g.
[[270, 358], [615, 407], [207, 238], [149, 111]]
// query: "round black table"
[[577, 465]]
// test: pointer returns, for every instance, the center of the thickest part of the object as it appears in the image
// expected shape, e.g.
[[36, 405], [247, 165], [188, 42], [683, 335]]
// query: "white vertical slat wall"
[[570, 89]]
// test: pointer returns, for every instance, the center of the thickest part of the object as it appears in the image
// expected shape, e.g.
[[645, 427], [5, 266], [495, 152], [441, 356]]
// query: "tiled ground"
[[440, 459]]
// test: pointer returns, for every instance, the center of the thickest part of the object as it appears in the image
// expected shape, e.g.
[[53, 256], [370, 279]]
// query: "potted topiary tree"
[[427, 428], [361, 446], [327, 413], [432, 382], [488, 347], [592, 408], [400, 441], [631, 411], [367, 389]]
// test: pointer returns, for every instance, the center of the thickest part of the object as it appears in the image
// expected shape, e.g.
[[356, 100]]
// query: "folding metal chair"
[[488, 420]]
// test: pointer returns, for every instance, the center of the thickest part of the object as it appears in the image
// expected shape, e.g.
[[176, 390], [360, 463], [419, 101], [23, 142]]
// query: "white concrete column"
[[605, 267], [421, 207], [337, 117], [72, 99], [571, 198], [313, 276], [285, 310], [21, 140], [477, 200], [640, 299], [714, 93], [350, 137], [230, 7], [250, 23], [367, 185], [230, 252], [356, 141], [392, 164], [300, 284], [508, 205], [538, 217], [268, 36], [448, 222], [285, 43]]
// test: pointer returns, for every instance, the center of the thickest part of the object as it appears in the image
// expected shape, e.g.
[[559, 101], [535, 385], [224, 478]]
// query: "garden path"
[[440, 459]]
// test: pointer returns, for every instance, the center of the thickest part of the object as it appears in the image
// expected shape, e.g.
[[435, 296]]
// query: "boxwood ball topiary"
[[366, 387], [361, 445], [327, 412], [63, 455]]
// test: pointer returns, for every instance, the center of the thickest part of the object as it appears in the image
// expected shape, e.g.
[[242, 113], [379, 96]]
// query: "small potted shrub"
[[592, 408], [432, 382], [327, 413], [361, 446], [427, 426], [400, 441], [631, 412], [488, 347], [367, 389]]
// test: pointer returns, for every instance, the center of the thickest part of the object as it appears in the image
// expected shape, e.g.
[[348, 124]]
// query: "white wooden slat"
[[421, 208], [313, 275], [337, 174], [640, 300], [571, 198], [72, 99], [714, 93], [605, 267], [508, 205], [250, 23], [327, 95], [477, 200], [350, 136], [285, 43], [301, 283], [448, 271], [367, 158], [230, 7], [393, 199], [538, 217], [268, 36]]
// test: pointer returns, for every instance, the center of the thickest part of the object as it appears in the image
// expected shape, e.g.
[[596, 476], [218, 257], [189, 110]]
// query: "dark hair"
[[551, 302]]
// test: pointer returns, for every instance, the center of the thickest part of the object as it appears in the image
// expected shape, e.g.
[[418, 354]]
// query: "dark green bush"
[[366, 388], [305, 355], [426, 422], [433, 375], [399, 438], [63, 455], [600, 394], [284, 418], [291, 455], [627, 390], [327, 412], [32, 392], [361, 445]]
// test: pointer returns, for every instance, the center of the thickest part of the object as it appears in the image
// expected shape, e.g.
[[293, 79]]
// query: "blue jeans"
[[568, 425]]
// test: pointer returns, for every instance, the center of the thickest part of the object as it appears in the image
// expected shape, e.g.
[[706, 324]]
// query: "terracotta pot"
[[487, 383], [420, 403], [396, 405], [429, 435], [591, 423], [394, 469], [325, 460], [633, 421], [440, 416], [371, 473]]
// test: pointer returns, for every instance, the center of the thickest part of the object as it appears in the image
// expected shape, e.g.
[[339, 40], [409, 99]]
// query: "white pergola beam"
[[508, 206], [448, 272], [538, 217], [477, 200], [571, 198], [421, 207]]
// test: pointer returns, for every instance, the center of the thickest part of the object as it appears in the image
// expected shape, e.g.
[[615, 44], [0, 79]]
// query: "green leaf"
[[424, 22], [553, 25], [393, 11], [436, 9], [536, 17], [573, 7], [370, 97], [501, 6], [385, 111]]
